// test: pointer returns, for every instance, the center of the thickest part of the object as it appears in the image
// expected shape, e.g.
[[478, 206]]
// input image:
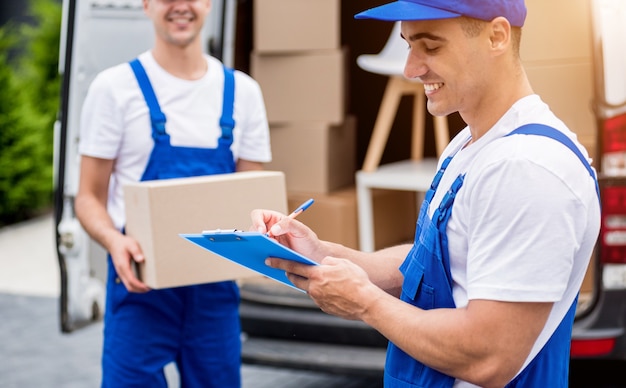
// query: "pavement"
[[28, 264], [34, 352]]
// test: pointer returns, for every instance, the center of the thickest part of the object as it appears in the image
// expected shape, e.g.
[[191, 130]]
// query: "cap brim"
[[405, 10]]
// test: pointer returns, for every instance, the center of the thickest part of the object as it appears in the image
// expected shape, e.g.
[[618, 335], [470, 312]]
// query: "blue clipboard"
[[249, 249]]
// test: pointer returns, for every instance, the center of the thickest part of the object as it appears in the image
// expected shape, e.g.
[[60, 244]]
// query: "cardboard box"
[[158, 211], [307, 86], [395, 217], [334, 216], [560, 62], [309, 25], [543, 40], [315, 156], [568, 89]]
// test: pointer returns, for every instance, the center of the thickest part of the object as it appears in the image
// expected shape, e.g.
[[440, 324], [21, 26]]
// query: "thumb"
[[276, 230], [137, 254], [330, 260]]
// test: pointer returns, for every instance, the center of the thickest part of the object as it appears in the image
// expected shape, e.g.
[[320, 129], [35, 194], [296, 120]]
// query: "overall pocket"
[[415, 289]]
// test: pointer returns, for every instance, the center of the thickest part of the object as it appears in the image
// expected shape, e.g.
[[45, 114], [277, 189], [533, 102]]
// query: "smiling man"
[[486, 294], [172, 112]]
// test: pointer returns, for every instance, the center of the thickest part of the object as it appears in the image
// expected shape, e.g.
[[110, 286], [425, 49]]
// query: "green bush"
[[29, 102]]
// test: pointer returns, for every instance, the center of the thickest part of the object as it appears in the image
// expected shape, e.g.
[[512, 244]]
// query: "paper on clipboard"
[[249, 249]]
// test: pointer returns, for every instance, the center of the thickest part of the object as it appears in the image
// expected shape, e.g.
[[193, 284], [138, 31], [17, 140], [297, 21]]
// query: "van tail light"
[[592, 347], [614, 134], [613, 227], [613, 145]]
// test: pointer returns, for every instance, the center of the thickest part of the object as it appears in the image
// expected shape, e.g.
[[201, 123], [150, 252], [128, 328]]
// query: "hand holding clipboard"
[[250, 249]]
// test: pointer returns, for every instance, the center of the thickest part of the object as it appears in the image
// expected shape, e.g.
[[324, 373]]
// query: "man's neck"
[[484, 116], [182, 62]]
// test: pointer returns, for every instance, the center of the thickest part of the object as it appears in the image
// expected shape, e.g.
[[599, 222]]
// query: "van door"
[[599, 331], [97, 34]]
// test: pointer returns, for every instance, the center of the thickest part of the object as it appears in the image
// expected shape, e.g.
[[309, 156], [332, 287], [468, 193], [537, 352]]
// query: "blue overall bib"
[[195, 326], [428, 285]]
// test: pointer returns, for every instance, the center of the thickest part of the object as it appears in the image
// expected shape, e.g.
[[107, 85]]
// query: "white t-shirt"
[[525, 222], [115, 121]]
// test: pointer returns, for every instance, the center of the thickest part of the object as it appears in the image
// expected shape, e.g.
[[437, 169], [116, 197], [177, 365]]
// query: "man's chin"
[[438, 109], [182, 41]]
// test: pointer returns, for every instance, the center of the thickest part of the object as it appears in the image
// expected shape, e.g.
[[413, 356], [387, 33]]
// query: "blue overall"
[[428, 285], [197, 327]]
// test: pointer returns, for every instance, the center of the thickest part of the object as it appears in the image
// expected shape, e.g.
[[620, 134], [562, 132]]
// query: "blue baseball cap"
[[405, 10]]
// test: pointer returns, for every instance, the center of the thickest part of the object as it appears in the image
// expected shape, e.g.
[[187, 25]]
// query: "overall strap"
[[435, 183], [547, 131], [227, 122], [157, 118]]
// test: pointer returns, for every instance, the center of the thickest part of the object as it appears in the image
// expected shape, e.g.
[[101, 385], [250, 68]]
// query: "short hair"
[[472, 27]]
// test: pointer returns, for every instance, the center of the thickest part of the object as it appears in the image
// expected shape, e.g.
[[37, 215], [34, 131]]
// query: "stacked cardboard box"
[[560, 68], [301, 67]]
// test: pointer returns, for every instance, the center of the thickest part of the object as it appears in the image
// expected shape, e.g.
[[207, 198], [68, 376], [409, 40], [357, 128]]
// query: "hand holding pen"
[[301, 208], [298, 211]]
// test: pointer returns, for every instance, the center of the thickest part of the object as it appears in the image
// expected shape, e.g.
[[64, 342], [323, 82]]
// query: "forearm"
[[381, 266], [96, 221], [246, 165], [485, 344]]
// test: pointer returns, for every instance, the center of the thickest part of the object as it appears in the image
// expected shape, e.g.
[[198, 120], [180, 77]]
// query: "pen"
[[301, 208], [298, 211]]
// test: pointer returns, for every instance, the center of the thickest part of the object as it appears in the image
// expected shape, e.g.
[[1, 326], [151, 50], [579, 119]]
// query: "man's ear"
[[500, 34]]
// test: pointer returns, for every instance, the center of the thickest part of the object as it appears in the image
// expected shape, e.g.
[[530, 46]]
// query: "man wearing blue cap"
[[486, 295]]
